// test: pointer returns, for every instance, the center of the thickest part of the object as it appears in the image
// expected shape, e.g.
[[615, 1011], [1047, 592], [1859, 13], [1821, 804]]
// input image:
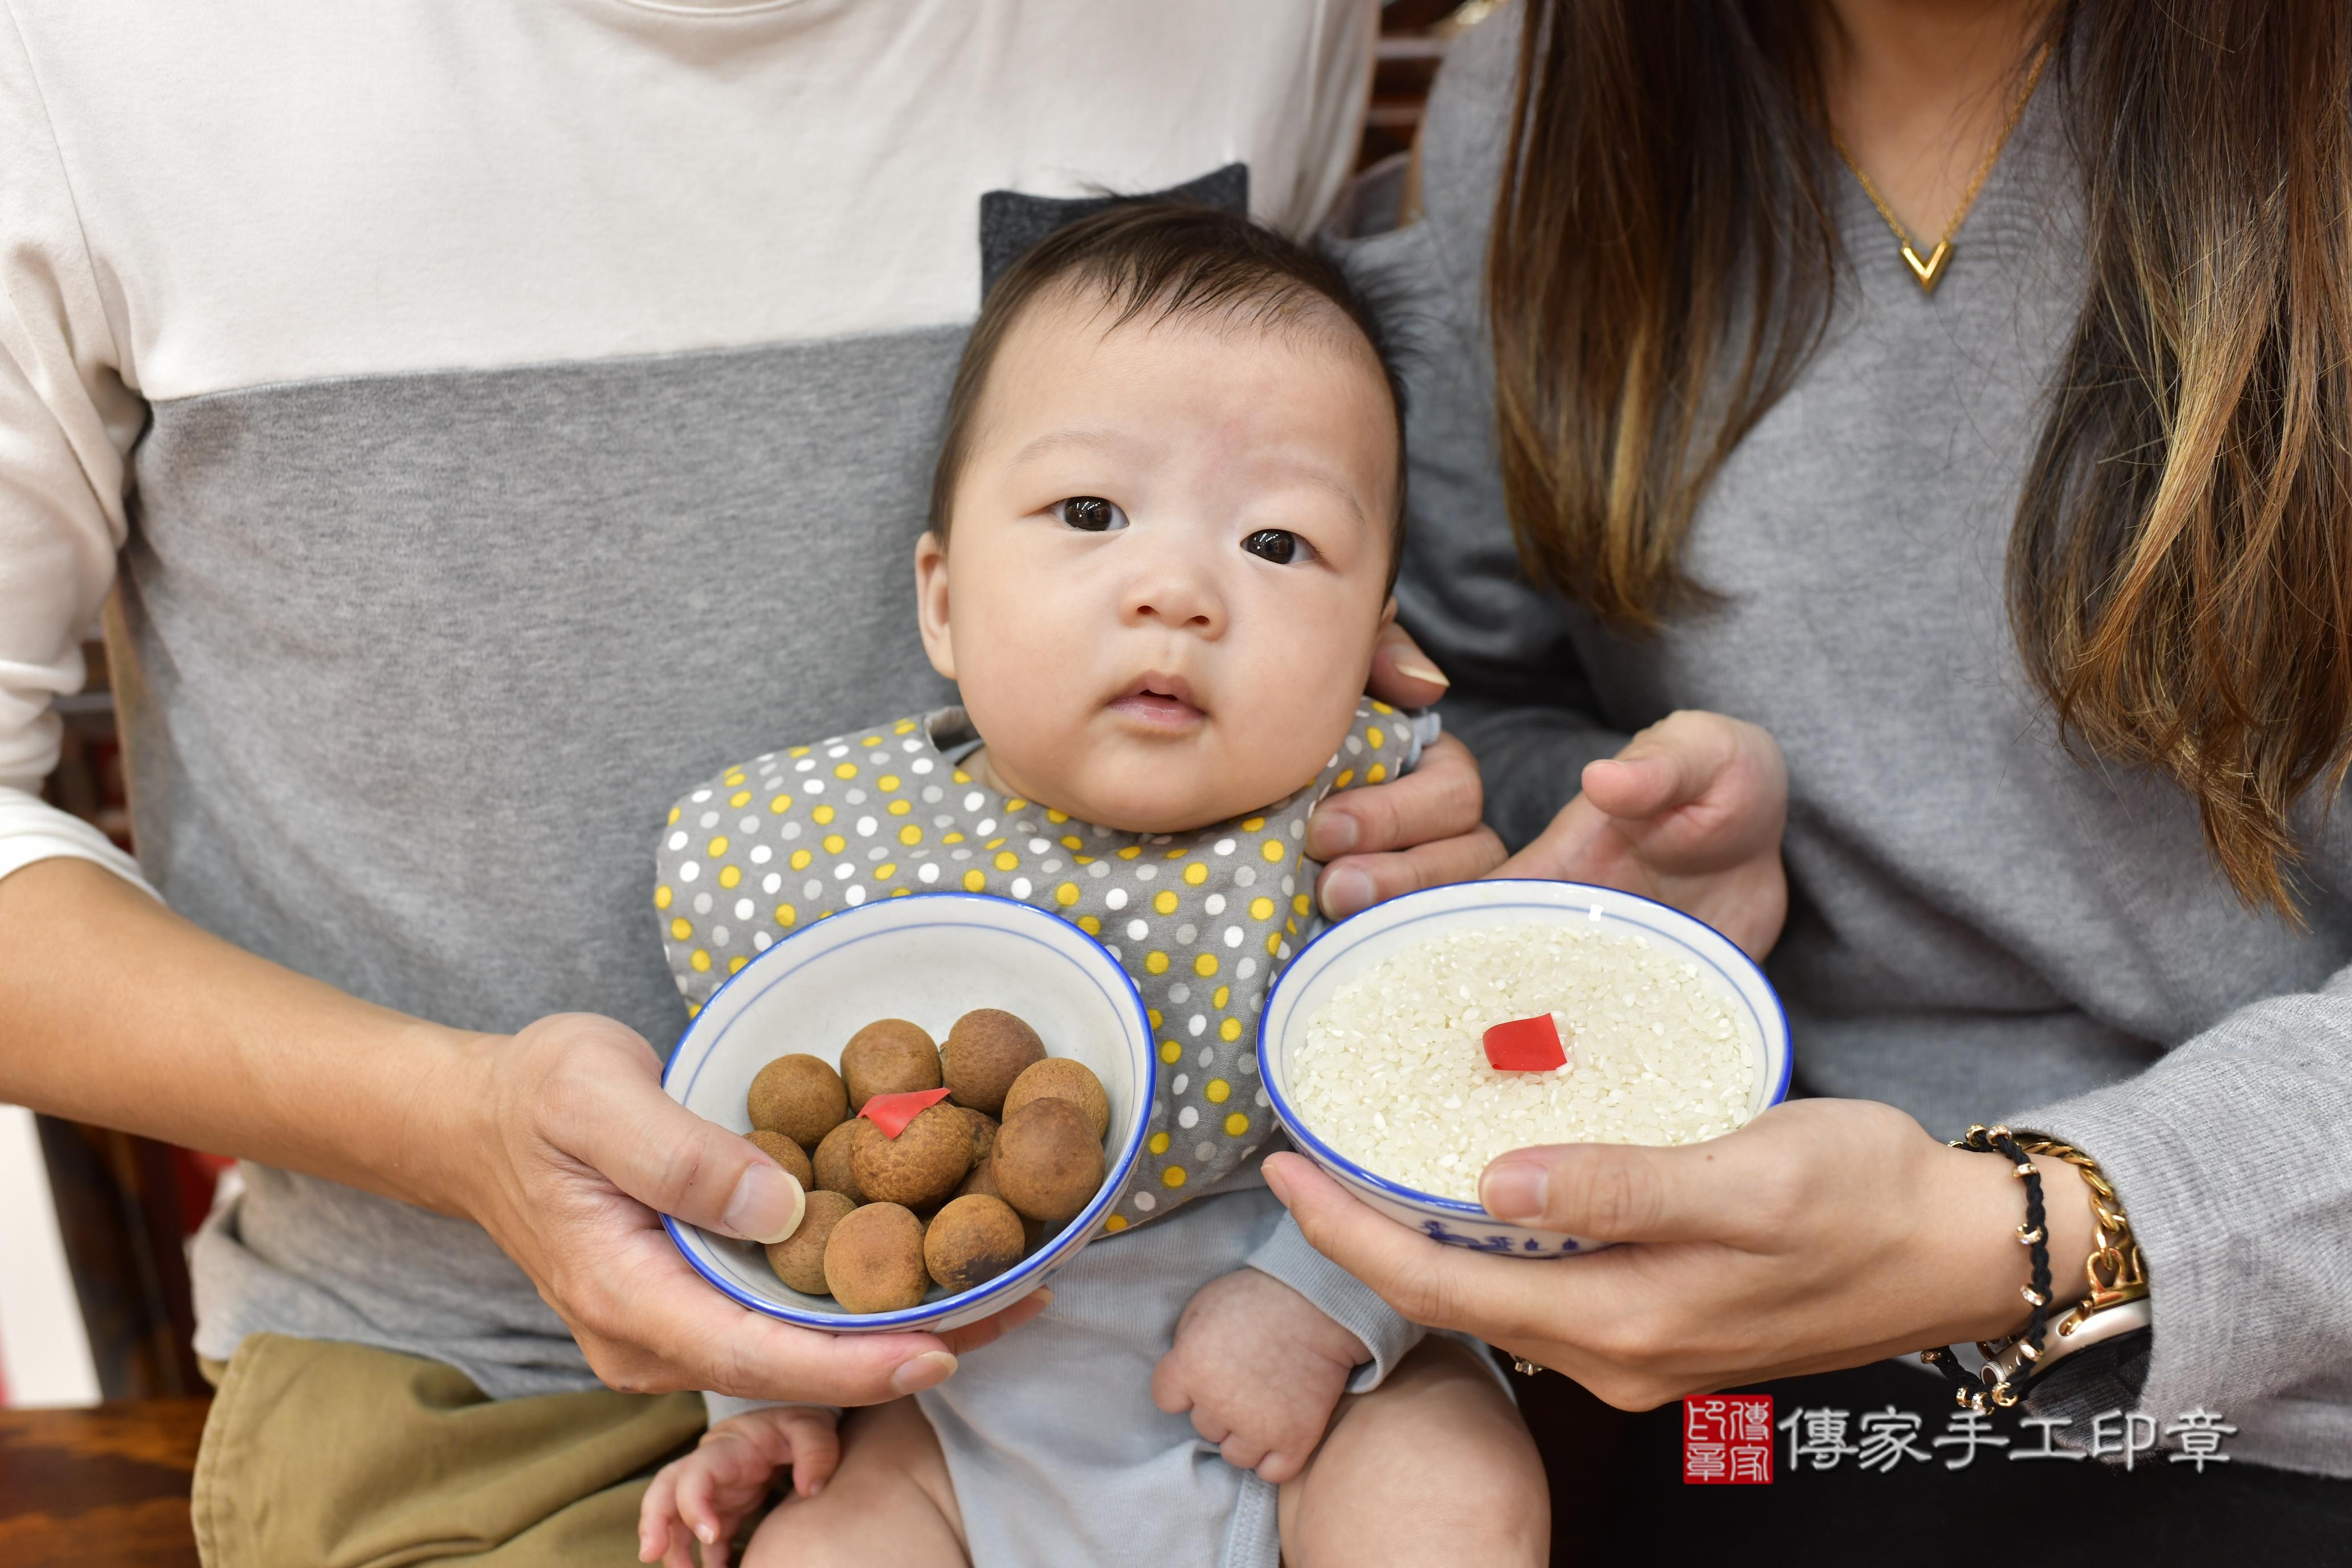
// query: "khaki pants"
[[320, 1454]]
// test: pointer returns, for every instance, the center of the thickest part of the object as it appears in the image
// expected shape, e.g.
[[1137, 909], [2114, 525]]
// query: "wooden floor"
[[99, 1488]]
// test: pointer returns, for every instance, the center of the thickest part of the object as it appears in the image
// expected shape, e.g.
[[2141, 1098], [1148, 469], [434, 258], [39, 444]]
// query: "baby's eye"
[[1278, 545], [1091, 513]]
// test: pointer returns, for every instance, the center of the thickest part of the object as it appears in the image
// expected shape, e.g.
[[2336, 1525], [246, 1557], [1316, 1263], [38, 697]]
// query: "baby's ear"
[[1388, 614], [931, 603]]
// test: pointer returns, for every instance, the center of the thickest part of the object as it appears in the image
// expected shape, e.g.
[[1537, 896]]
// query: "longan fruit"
[[972, 1241], [985, 1052], [918, 1167], [874, 1260], [831, 1160], [799, 1096], [799, 1259], [888, 1057], [1048, 1162], [983, 1131], [1059, 1078], [784, 1153]]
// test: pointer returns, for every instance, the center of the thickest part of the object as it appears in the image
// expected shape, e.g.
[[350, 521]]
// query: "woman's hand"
[[568, 1153], [1422, 830], [1689, 813], [1826, 1233]]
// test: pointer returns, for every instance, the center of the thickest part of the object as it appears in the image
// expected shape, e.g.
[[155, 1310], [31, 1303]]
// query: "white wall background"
[[44, 1353]]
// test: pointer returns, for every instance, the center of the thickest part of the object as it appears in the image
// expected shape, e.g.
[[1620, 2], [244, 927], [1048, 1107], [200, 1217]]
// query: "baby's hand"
[[707, 1494], [1261, 1368]]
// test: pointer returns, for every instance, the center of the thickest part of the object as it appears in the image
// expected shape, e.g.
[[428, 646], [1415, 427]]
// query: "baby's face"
[[1168, 560]]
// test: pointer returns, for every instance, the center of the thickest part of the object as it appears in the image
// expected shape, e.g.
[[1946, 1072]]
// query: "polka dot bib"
[[1203, 920]]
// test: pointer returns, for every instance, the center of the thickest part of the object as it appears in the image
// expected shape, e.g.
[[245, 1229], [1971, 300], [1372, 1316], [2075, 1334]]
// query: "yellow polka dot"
[[901, 807], [1130, 852], [786, 914], [693, 1009], [822, 814], [888, 781], [1164, 901], [885, 871], [1116, 1222], [1224, 995], [846, 770], [1016, 802], [1218, 1092], [1299, 904], [1382, 709], [871, 741], [1290, 926], [1159, 1144], [1074, 842], [1252, 823], [729, 875], [1261, 909], [903, 727], [1057, 818], [734, 776], [1174, 1176], [1156, 961], [961, 777], [740, 799], [910, 834], [1376, 773], [825, 915], [951, 838], [781, 804], [1347, 776], [1231, 1029], [1084, 859], [973, 882], [701, 961], [1091, 926], [1007, 861], [1155, 1016], [1373, 738], [1067, 894], [834, 843], [661, 897], [1195, 874], [1205, 965], [994, 843], [1171, 1051], [798, 752], [719, 846], [673, 815], [900, 892], [680, 929], [735, 962], [1273, 941], [1173, 855], [800, 860], [1273, 850], [1236, 1124]]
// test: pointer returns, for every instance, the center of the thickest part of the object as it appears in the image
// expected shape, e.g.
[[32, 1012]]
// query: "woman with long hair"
[[1883, 482]]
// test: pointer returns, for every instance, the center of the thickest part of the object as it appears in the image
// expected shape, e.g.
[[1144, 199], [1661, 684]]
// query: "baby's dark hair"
[[1160, 260]]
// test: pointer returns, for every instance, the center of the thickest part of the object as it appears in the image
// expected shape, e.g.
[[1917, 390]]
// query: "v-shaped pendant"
[[1931, 271]]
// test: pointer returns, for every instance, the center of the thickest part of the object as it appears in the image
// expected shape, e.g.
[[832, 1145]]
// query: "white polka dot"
[[811, 787], [1115, 898], [1050, 865], [912, 744], [749, 824], [791, 830], [677, 839], [928, 872], [880, 852], [1262, 1099], [1179, 993], [856, 798], [1101, 868], [1247, 1062], [719, 935], [837, 752], [698, 796], [974, 801], [1216, 904], [963, 854], [1289, 885], [702, 904], [761, 853], [1233, 936], [1299, 827], [1039, 846], [1282, 952], [770, 883], [1196, 1024], [805, 764], [690, 870], [856, 895], [1244, 876], [812, 889], [709, 819], [842, 872], [1179, 1086], [1146, 1201], [743, 908], [865, 825], [1208, 1057], [1204, 1151], [1145, 873], [1188, 1117], [1223, 846], [761, 940], [1137, 931], [1020, 886], [1114, 953], [921, 765], [1247, 967], [933, 794], [943, 820], [987, 825], [1186, 933]]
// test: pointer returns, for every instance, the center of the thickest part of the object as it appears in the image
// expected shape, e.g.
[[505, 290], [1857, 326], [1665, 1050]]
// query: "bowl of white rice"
[[1371, 1044]]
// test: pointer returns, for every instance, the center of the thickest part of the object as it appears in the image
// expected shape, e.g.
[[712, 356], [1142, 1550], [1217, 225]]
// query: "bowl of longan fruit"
[[961, 1083]]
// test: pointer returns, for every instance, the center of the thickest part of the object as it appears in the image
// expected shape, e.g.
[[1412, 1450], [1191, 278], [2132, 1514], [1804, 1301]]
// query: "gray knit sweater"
[[1981, 927]]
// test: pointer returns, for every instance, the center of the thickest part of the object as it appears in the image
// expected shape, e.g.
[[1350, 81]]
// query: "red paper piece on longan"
[[1525, 1045], [891, 1112]]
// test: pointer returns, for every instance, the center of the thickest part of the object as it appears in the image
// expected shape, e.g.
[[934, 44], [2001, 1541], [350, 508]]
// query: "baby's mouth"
[[1161, 701]]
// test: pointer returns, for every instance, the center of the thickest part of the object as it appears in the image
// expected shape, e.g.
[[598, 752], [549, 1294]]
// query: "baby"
[[1164, 527]]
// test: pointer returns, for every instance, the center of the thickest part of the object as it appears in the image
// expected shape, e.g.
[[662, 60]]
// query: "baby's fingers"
[[1168, 1389], [817, 1453], [701, 1515], [1241, 1451], [655, 1515]]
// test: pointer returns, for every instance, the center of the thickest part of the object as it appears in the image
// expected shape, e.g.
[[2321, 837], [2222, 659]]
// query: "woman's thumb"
[[674, 1161]]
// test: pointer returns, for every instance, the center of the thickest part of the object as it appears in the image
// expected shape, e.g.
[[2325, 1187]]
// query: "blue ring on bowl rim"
[[1074, 1234], [1296, 1126]]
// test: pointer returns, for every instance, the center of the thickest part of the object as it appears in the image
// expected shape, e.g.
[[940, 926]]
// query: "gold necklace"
[[1930, 270]]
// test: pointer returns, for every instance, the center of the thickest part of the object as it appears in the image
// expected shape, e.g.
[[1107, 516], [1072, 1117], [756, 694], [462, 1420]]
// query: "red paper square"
[[1727, 1439], [1525, 1045], [891, 1112]]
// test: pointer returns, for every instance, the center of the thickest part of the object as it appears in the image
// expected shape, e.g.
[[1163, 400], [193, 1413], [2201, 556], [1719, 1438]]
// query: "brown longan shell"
[[889, 1056], [972, 1241], [1060, 1078], [918, 1167], [799, 1096], [830, 1163], [874, 1260], [784, 1153], [983, 1182], [983, 1131], [985, 1051], [799, 1259], [1047, 1163]]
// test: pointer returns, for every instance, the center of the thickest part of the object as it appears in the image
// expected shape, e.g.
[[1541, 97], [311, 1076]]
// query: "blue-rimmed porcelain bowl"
[[929, 958], [1354, 945]]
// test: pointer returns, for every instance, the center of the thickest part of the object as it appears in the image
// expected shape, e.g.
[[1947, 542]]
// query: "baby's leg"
[[890, 1503], [1435, 1465]]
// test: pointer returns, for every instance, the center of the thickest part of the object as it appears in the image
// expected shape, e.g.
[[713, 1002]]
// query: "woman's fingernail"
[[1345, 892], [923, 1371], [767, 1205], [1277, 1181], [1422, 672], [1334, 833], [1515, 1189]]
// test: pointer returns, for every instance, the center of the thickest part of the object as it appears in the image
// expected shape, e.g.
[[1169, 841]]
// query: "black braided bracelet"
[[1971, 1394]]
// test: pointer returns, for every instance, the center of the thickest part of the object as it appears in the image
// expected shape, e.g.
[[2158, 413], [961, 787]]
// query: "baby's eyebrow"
[[1096, 439]]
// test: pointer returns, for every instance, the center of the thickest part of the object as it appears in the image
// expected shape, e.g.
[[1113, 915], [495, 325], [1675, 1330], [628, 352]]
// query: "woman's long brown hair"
[[1662, 266]]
